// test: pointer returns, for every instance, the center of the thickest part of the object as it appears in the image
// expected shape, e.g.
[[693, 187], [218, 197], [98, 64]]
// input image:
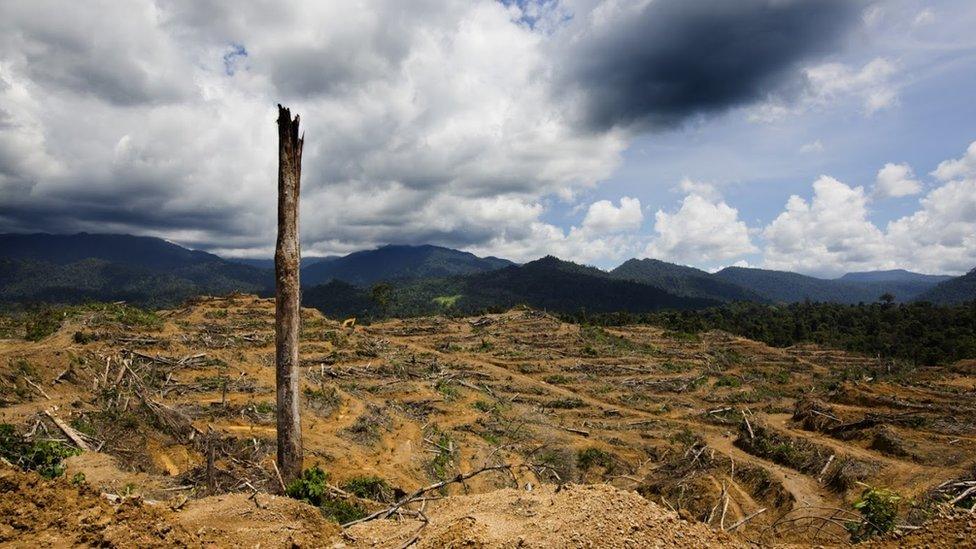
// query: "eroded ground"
[[714, 427]]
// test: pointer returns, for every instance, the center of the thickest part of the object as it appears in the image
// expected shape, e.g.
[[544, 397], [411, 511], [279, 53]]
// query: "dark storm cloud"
[[678, 58]]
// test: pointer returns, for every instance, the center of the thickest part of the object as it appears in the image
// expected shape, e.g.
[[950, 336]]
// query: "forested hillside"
[[547, 283], [681, 280], [141, 270], [920, 333], [787, 287], [953, 291], [398, 262]]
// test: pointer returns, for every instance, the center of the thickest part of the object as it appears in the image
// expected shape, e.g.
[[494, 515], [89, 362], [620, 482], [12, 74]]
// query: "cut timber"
[[287, 289], [68, 430]]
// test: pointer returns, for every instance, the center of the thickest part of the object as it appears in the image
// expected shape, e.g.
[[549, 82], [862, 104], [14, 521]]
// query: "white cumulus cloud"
[[700, 232], [896, 180]]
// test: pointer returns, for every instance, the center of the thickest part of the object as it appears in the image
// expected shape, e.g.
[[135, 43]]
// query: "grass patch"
[[447, 301]]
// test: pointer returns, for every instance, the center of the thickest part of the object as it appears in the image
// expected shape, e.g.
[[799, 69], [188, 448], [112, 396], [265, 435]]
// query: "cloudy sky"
[[821, 136]]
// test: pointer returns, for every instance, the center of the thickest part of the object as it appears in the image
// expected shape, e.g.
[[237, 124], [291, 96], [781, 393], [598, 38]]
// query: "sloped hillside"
[[398, 263], [733, 434], [683, 281], [956, 290], [141, 270]]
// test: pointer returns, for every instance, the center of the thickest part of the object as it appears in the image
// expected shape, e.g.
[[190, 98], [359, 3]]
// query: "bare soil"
[[414, 401]]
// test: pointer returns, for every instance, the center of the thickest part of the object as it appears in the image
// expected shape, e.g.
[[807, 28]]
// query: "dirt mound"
[[595, 515], [269, 521], [39, 513], [954, 532]]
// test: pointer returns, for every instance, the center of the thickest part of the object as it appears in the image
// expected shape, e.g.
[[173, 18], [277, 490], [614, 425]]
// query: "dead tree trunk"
[[287, 306]]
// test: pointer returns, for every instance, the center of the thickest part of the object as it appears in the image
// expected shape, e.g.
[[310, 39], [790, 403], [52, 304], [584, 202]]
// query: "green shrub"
[[44, 456], [369, 487], [879, 507], [342, 511], [448, 389], [558, 379], [312, 487], [593, 457], [42, 323], [728, 381], [82, 338]]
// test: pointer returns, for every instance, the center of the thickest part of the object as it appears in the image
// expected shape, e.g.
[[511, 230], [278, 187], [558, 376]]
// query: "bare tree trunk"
[[287, 305]]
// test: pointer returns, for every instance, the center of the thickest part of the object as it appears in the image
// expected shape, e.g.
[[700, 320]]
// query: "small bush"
[[879, 507], [44, 456], [370, 487], [594, 457], [312, 487], [558, 379], [324, 400], [728, 381], [342, 511], [82, 338], [556, 465], [448, 389], [42, 323]]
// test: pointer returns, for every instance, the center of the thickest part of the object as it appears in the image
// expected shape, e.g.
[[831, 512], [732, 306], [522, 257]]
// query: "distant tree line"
[[921, 333]]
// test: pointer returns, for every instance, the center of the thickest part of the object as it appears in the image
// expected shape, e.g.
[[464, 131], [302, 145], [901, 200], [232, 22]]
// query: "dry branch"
[[461, 477]]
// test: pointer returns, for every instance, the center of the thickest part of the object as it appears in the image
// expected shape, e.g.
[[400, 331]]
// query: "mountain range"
[[421, 279]]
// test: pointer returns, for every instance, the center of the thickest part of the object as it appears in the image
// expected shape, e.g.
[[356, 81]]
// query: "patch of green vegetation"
[[312, 487], [445, 449], [678, 335], [46, 457], [42, 322], [370, 487], [448, 389], [127, 315], [487, 407], [567, 403], [82, 338], [879, 507], [366, 428], [324, 400], [728, 381], [78, 479], [685, 437], [558, 379], [216, 313], [556, 465], [447, 301], [212, 383], [595, 457], [676, 367], [342, 511], [265, 407], [83, 426], [598, 341]]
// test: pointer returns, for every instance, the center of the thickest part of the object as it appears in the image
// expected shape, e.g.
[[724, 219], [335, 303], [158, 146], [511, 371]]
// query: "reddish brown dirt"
[[38, 513], [575, 516]]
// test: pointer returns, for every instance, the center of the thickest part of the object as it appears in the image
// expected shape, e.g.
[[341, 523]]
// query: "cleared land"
[[711, 427]]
